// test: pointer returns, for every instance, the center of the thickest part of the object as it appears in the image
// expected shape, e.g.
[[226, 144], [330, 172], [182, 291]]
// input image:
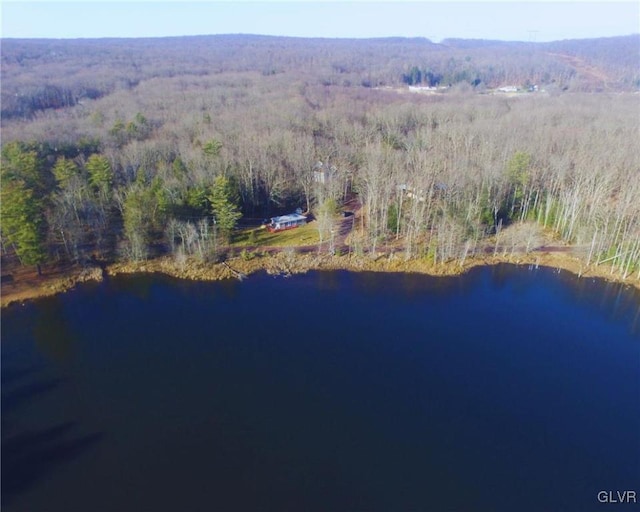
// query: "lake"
[[508, 388]]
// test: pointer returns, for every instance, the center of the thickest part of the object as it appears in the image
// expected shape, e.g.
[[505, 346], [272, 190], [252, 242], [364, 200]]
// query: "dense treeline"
[[42, 74], [172, 163]]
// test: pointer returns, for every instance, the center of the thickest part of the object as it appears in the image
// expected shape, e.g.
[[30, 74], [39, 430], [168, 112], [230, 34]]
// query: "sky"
[[503, 20]]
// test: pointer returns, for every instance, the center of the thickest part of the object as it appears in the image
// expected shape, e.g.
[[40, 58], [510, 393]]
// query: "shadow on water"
[[24, 394], [51, 331], [30, 454], [10, 375]]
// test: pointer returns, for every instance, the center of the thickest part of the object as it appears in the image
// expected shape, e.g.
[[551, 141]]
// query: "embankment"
[[289, 262]]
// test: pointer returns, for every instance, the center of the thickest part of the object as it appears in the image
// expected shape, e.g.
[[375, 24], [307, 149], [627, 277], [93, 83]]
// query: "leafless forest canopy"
[[126, 147]]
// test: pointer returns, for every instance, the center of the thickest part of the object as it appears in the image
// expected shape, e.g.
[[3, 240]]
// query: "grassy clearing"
[[260, 237]]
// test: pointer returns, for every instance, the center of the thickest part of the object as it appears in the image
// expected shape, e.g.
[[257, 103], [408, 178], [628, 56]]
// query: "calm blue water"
[[504, 389]]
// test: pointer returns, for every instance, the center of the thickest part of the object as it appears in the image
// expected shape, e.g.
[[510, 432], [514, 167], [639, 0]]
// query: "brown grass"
[[290, 262]]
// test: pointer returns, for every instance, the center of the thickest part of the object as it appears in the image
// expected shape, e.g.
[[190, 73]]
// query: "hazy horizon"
[[436, 21], [249, 34]]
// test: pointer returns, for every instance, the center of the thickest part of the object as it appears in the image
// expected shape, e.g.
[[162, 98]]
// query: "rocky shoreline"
[[288, 263]]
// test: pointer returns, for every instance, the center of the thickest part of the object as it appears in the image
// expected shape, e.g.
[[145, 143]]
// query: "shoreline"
[[287, 263]]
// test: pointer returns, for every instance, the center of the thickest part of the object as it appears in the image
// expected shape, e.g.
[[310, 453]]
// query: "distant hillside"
[[611, 63], [43, 74]]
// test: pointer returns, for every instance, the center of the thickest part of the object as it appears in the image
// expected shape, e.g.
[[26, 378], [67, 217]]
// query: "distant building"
[[423, 88], [508, 88], [283, 222], [419, 194], [411, 192], [323, 173]]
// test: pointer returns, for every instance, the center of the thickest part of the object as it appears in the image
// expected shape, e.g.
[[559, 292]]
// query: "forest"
[[125, 149]]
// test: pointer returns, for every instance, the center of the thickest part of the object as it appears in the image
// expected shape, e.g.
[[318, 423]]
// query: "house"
[[323, 173], [283, 222], [411, 192], [419, 194], [508, 88]]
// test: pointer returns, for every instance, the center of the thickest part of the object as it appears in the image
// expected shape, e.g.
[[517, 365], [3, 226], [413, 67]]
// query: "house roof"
[[293, 217]]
